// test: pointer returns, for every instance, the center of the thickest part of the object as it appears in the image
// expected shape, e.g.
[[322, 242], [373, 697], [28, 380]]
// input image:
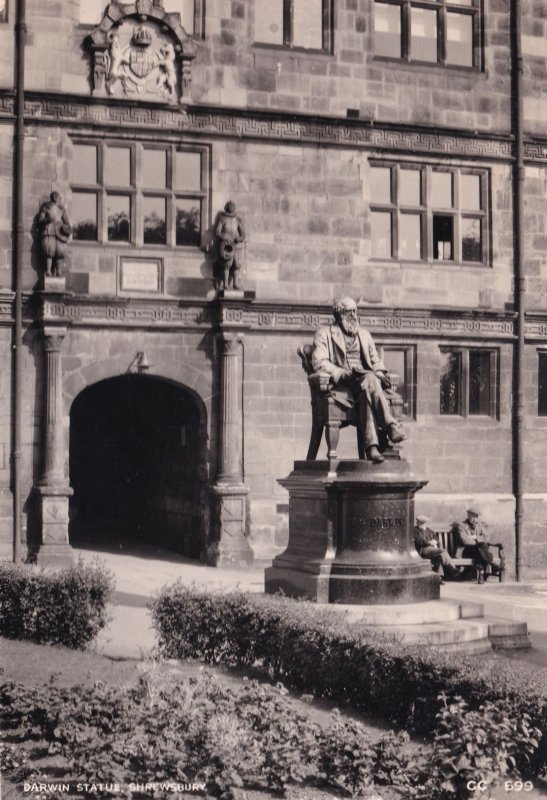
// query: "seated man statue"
[[428, 547], [347, 352], [471, 535]]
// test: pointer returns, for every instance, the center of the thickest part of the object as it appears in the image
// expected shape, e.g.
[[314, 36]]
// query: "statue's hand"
[[385, 380]]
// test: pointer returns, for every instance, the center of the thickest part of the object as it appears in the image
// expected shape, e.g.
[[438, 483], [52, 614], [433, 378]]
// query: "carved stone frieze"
[[83, 311], [140, 51]]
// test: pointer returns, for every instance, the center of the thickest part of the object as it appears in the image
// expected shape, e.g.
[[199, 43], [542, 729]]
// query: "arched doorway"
[[135, 455]]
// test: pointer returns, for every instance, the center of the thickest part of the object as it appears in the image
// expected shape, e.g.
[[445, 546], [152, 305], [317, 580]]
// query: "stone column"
[[230, 546], [53, 489]]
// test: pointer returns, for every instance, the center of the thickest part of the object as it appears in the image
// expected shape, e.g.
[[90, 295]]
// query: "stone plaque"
[[141, 275]]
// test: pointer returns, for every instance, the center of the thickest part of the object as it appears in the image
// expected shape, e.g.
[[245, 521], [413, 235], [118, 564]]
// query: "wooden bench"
[[448, 540]]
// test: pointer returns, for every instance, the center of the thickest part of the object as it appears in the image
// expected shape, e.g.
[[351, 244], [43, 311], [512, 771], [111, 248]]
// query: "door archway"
[[135, 456]]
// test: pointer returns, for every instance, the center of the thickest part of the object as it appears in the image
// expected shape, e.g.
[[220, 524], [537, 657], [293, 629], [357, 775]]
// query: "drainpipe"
[[519, 276], [19, 144]]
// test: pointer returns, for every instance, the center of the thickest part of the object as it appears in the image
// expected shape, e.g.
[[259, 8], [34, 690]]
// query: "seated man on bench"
[[472, 537], [348, 354], [428, 547]]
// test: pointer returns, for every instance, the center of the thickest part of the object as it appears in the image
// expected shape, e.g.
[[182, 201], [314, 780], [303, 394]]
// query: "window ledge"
[[298, 51], [428, 65]]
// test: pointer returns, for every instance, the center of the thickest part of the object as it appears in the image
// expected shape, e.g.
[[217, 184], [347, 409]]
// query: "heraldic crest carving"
[[140, 49]]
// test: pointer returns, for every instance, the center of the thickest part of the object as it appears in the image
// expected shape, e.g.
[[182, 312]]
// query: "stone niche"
[[139, 51]]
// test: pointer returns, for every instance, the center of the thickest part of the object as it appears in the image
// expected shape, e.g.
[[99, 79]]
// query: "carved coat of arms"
[[137, 67]]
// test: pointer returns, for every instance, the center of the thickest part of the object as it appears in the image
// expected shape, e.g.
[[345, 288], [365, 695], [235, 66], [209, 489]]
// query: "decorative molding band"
[[263, 125], [86, 312], [240, 316], [434, 323]]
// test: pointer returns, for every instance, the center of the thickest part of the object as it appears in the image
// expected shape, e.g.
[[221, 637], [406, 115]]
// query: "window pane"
[[479, 382], [423, 34], [470, 192], [118, 210], [441, 190], [395, 361], [188, 222], [387, 30], [187, 171], [380, 223], [186, 10], [91, 11], [155, 225], [84, 163], [462, 2], [269, 21], [410, 236], [410, 183], [450, 384], [542, 385], [117, 166], [459, 39], [471, 239], [84, 216], [308, 23], [443, 237], [154, 169], [380, 184]]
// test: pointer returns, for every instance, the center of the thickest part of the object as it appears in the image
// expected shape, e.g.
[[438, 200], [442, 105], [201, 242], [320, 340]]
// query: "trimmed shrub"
[[315, 650], [66, 607]]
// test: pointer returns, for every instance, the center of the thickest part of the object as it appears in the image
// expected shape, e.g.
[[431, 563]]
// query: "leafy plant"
[[68, 607]]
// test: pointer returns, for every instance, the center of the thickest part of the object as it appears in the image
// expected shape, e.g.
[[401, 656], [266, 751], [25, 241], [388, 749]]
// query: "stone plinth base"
[[230, 547], [351, 535], [53, 504], [54, 284]]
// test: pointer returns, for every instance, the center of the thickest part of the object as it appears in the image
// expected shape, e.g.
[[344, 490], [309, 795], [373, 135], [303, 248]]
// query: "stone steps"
[[444, 624]]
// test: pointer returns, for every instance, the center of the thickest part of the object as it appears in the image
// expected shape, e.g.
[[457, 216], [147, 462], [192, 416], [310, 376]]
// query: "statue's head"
[[230, 208], [55, 197], [345, 314]]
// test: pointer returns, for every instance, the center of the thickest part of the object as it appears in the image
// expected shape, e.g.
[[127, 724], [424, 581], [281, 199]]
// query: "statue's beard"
[[349, 326]]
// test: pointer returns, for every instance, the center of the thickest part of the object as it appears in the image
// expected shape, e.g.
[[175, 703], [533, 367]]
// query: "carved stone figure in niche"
[[54, 229], [114, 64], [167, 79], [230, 235]]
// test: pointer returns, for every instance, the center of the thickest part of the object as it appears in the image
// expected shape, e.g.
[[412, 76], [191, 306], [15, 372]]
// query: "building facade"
[[371, 148]]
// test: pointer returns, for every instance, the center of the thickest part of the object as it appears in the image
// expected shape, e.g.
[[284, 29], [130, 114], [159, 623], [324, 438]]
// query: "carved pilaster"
[[53, 489], [229, 470], [230, 546]]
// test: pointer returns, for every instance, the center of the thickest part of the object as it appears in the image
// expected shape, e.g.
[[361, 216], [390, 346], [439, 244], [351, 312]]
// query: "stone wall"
[[306, 214], [231, 69]]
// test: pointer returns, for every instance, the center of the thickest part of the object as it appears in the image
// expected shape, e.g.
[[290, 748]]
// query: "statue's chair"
[[329, 416]]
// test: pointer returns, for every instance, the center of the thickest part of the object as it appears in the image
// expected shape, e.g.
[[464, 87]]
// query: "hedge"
[[68, 607], [315, 650]]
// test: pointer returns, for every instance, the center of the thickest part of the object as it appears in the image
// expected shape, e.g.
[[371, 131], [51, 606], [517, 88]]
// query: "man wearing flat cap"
[[428, 547], [472, 537]]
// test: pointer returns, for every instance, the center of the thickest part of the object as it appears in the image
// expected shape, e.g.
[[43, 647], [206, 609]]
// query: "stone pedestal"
[[55, 549], [54, 284], [231, 548], [350, 535]]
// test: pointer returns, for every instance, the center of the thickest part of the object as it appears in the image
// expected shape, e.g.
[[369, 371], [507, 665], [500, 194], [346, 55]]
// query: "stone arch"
[[138, 463], [148, 16]]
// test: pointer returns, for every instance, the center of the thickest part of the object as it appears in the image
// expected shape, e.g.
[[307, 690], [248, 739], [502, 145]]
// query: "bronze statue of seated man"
[[347, 353]]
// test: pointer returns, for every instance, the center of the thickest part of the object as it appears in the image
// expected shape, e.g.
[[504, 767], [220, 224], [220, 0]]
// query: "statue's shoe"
[[395, 433], [374, 455]]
